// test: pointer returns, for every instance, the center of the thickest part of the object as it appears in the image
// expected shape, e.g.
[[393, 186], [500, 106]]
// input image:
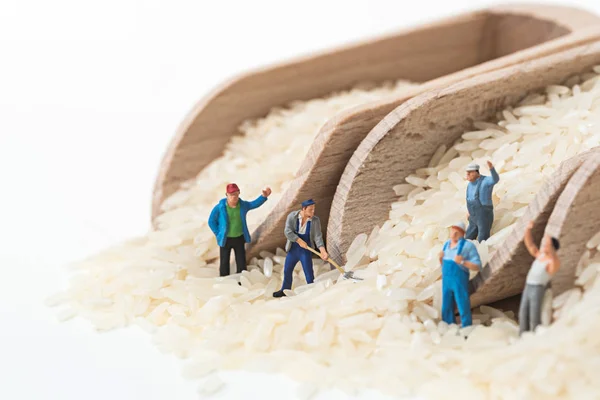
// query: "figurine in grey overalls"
[[545, 265], [302, 229], [479, 202]]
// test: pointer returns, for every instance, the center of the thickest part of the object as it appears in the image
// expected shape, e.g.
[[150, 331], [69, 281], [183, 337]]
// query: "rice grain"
[[382, 333]]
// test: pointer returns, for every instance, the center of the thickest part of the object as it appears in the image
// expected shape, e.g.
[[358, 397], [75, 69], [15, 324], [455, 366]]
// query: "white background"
[[90, 96]]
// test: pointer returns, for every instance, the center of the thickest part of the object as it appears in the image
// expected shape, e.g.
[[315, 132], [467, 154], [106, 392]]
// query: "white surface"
[[90, 95]]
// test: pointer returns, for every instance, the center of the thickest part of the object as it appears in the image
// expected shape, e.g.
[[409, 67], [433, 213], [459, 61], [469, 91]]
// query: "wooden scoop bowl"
[[462, 46], [505, 273], [336, 141], [406, 139], [575, 220], [566, 208]]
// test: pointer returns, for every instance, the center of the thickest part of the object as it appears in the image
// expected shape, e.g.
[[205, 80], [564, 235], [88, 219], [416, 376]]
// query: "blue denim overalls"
[[480, 217], [455, 286]]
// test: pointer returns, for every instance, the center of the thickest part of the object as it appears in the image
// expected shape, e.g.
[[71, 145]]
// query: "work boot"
[[278, 293]]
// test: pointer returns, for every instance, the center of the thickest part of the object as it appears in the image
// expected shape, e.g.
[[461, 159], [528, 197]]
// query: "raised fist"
[[530, 225]]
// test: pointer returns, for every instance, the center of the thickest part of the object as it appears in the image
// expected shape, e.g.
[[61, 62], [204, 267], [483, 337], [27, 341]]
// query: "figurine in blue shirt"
[[457, 258], [479, 202], [227, 221]]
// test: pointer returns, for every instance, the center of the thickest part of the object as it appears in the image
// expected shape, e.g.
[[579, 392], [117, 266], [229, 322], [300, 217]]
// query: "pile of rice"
[[384, 332], [269, 151]]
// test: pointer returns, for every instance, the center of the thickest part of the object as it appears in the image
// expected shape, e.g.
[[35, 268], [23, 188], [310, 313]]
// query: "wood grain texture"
[[406, 139], [505, 274], [575, 219], [422, 55], [501, 40], [508, 304]]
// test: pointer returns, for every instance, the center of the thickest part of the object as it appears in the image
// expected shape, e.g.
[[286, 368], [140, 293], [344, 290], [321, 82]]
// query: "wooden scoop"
[[462, 46], [407, 138], [566, 208], [575, 219], [505, 273]]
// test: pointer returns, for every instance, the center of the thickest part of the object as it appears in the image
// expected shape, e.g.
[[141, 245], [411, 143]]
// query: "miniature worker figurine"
[[302, 229], [545, 265], [228, 222], [479, 202], [457, 258]]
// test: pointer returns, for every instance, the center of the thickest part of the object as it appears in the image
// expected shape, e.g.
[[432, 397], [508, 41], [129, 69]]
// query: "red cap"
[[232, 187]]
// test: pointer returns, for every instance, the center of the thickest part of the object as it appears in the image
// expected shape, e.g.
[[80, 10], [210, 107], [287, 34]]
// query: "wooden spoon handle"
[[329, 260]]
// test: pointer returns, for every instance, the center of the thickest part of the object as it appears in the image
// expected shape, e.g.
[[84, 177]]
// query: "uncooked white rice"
[[384, 332], [269, 151]]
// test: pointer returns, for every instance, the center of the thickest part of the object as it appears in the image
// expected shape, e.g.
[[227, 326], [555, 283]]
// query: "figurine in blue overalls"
[[457, 258], [479, 202], [302, 229]]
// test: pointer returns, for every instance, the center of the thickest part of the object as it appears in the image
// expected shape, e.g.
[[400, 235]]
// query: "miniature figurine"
[[302, 229], [228, 222], [542, 269], [457, 258], [479, 202]]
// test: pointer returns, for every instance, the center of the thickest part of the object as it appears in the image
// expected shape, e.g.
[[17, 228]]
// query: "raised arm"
[[531, 247], [259, 201], [495, 178]]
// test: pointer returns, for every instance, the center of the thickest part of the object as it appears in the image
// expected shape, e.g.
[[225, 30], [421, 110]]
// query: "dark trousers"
[[238, 244], [296, 254]]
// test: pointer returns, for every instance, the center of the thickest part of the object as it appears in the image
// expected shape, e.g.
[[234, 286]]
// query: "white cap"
[[472, 167], [460, 225]]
